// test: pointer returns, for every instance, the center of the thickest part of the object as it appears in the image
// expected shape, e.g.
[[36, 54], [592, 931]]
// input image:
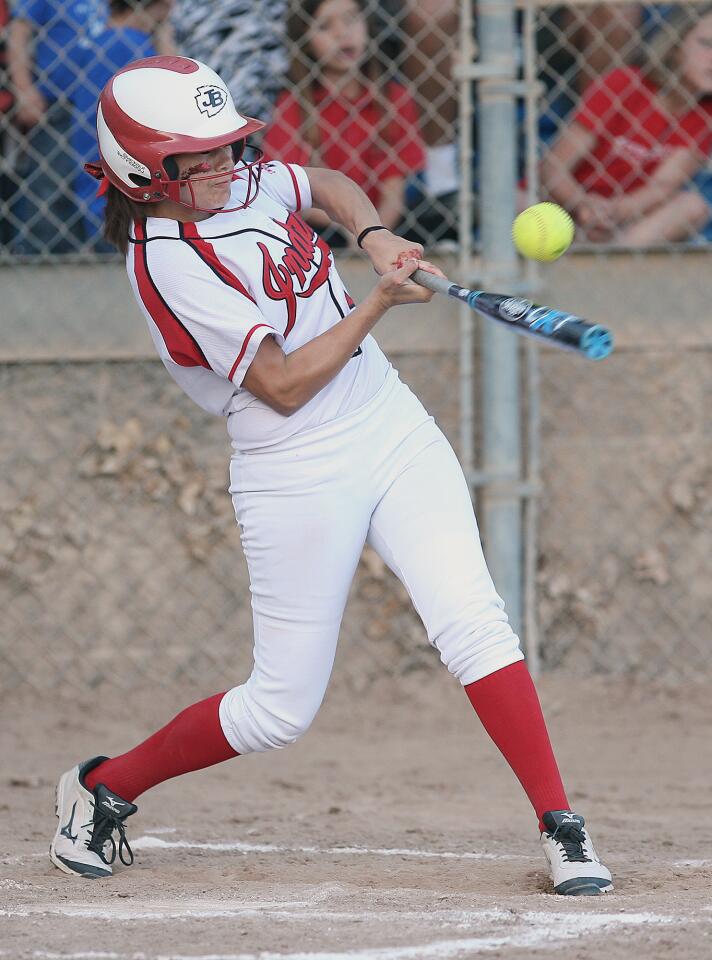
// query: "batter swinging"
[[331, 450]]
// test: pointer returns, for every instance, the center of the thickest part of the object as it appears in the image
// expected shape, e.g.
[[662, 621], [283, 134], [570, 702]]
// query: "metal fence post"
[[465, 216], [501, 455]]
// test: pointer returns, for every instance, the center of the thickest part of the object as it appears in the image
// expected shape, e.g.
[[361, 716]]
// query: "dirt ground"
[[392, 831]]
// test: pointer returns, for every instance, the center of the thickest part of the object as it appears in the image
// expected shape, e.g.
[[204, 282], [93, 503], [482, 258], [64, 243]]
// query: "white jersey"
[[212, 291]]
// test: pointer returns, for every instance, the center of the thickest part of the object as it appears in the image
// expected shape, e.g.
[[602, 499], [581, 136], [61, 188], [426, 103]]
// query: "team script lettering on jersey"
[[296, 264]]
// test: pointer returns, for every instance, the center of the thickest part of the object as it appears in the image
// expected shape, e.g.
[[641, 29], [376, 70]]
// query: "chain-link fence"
[[387, 127], [625, 536], [626, 533], [119, 557], [622, 117]]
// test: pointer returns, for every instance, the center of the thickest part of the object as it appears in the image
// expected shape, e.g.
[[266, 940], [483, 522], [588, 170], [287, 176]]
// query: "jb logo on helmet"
[[211, 100]]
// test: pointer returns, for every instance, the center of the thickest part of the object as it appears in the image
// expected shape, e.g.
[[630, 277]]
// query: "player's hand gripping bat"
[[553, 326]]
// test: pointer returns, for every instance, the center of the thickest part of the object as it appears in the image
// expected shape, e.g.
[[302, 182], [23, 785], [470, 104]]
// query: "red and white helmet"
[[155, 108]]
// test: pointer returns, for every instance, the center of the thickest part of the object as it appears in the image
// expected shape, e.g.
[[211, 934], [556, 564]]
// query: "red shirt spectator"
[[6, 98], [359, 137], [634, 135]]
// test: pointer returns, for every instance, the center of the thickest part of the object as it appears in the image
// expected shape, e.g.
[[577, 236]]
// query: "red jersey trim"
[[297, 192], [180, 343], [241, 354], [206, 252]]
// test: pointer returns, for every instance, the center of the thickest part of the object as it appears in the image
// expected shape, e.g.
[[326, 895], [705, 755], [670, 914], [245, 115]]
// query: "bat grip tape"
[[432, 282]]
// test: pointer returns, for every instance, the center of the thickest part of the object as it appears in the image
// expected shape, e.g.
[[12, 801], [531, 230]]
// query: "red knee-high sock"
[[192, 740], [508, 706]]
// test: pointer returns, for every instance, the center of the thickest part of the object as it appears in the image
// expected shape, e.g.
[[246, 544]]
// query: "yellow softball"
[[543, 231]]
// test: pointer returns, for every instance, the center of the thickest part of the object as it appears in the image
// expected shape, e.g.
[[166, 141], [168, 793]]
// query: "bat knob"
[[597, 343]]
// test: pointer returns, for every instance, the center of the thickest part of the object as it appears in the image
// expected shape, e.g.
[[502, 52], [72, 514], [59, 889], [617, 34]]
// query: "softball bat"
[[564, 330]]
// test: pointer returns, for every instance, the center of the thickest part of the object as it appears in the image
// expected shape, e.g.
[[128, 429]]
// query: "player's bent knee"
[[471, 652], [253, 724], [278, 732]]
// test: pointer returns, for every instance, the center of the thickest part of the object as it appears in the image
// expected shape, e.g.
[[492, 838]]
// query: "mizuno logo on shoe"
[[114, 805], [66, 830]]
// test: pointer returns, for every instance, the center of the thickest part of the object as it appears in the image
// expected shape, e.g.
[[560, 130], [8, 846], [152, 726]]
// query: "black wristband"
[[364, 233]]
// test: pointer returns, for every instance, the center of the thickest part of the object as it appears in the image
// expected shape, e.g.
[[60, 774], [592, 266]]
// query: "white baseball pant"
[[385, 474]]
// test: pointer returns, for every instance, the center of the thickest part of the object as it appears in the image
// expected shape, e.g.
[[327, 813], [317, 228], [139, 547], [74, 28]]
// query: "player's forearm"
[[316, 218], [310, 368], [390, 209], [342, 199]]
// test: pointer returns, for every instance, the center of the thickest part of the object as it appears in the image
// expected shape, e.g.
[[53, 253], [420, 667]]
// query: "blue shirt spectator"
[[118, 46], [50, 45], [65, 40], [130, 34]]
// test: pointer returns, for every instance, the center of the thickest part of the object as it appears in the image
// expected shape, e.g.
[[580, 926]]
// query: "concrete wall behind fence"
[[87, 312], [119, 557]]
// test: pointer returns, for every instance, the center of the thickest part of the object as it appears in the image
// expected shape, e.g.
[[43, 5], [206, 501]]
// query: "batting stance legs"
[[383, 474], [305, 512]]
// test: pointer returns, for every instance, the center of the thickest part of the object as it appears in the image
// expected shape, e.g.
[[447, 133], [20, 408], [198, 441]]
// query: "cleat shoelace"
[[104, 824], [572, 840]]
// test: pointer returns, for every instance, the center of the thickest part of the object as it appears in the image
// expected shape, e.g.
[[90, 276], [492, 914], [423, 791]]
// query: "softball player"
[[330, 450]]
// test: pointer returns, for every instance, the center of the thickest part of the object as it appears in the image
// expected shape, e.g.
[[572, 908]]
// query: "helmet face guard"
[[188, 110], [172, 186]]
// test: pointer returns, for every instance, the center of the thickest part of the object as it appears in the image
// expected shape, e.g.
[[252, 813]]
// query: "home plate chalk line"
[[535, 929], [156, 843], [151, 842], [295, 910], [237, 846]]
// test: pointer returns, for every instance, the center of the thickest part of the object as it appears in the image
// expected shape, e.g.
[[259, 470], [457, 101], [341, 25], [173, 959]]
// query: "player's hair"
[[658, 58], [304, 71], [119, 213]]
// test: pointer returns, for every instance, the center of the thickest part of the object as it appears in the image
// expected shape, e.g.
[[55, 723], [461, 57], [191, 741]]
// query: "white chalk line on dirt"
[[156, 843], [538, 931], [299, 911], [236, 846]]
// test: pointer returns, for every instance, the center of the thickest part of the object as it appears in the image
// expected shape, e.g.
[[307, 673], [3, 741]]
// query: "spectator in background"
[[53, 46], [6, 98], [244, 41], [431, 40], [624, 164], [129, 35], [600, 38], [431, 27], [6, 103], [576, 45], [50, 45], [337, 114]]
